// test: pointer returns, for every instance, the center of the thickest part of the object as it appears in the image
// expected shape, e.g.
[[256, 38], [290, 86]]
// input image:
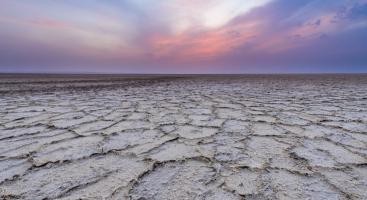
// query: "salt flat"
[[190, 137]]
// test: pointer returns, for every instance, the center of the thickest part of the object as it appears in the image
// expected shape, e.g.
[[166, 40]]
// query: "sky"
[[183, 36]]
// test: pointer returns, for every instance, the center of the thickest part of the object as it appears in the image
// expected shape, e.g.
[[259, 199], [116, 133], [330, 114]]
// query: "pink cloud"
[[50, 23], [202, 45]]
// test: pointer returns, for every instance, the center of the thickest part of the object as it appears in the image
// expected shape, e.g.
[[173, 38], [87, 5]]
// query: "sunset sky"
[[183, 36]]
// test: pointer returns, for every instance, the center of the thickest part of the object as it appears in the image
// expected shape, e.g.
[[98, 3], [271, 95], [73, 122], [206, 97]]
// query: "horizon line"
[[183, 74]]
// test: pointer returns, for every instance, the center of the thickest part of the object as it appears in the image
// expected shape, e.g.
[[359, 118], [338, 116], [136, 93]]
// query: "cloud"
[[50, 23], [353, 12], [221, 35]]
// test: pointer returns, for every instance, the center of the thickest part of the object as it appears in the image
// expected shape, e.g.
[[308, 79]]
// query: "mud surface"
[[237, 137]]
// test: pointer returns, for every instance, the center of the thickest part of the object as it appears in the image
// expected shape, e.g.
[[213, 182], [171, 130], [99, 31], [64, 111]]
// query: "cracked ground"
[[250, 137]]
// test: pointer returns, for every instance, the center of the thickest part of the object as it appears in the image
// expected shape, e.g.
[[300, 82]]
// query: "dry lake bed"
[[191, 137]]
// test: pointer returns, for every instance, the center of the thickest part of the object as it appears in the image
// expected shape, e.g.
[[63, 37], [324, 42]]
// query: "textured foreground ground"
[[251, 137]]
